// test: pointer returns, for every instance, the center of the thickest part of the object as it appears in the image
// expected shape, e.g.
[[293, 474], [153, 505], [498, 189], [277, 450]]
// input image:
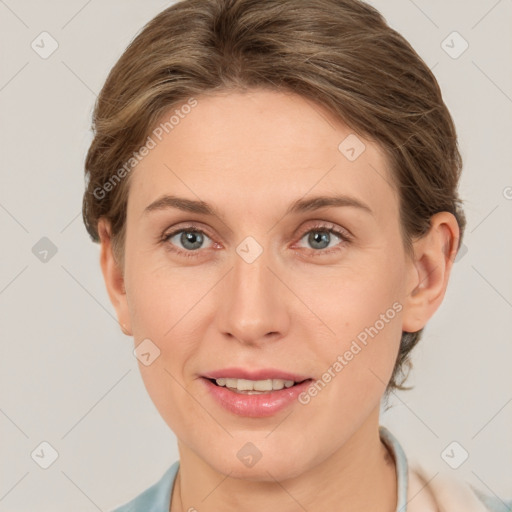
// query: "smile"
[[254, 398], [254, 386]]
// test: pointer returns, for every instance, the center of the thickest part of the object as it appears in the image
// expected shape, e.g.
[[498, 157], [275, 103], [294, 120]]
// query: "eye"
[[187, 240], [324, 237]]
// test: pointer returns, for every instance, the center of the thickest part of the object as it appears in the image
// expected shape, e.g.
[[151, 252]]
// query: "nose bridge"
[[252, 308]]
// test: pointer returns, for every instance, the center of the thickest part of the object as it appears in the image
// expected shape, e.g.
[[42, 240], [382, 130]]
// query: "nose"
[[252, 307]]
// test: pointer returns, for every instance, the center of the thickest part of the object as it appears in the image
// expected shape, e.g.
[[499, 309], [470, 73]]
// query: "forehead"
[[255, 145]]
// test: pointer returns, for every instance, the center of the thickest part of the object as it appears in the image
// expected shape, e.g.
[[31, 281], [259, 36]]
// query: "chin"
[[266, 469]]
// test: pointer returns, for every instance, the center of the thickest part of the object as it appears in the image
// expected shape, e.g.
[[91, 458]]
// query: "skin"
[[296, 307]]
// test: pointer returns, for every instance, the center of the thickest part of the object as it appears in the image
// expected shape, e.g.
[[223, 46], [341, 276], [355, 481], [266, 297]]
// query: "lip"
[[261, 374], [255, 406]]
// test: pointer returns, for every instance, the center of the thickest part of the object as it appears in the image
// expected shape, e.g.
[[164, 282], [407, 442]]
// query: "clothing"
[[441, 494]]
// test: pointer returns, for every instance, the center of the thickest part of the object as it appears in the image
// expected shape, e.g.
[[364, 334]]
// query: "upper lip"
[[254, 374]]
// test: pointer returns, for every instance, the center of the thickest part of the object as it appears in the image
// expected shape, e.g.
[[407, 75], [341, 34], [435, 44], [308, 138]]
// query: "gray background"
[[68, 375]]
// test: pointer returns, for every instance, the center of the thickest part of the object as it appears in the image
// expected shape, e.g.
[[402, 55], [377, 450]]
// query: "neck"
[[361, 475]]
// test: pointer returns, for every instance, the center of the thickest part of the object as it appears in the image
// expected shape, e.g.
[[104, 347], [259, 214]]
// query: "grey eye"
[[189, 240], [321, 238]]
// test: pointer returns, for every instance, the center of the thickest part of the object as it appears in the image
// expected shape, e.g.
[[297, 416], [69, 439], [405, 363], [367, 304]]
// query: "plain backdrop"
[[68, 376]]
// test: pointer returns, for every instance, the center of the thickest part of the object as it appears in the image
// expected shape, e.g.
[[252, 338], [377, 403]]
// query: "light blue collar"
[[402, 467]]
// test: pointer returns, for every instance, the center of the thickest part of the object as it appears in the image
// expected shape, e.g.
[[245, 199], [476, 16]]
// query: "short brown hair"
[[339, 53]]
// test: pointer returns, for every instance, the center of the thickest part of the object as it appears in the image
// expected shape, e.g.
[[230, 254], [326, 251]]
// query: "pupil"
[[192, 237], [319, 237]]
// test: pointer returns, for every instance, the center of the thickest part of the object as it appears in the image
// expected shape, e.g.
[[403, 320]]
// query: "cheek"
[[162, 295], [362, 309], [167, 315], [356, 366], [349, 298], [158, 308], [162, 318]]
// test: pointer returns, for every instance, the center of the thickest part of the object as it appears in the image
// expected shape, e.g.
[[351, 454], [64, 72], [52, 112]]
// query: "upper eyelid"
[[327, 225], [187, 227]]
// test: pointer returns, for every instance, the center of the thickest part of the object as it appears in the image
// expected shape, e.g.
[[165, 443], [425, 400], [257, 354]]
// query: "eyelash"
[[327, 228]]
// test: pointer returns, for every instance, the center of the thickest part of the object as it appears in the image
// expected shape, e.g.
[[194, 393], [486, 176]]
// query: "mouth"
[[255, 387], [265, 394]]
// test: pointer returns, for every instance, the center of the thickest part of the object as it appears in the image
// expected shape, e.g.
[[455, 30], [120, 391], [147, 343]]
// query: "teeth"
[[279, 384], [255, 385]]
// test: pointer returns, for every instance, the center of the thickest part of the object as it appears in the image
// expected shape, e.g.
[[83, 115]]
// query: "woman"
[[274, 187]]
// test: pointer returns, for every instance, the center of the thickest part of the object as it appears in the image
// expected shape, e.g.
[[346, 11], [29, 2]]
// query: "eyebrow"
[[301, 205]]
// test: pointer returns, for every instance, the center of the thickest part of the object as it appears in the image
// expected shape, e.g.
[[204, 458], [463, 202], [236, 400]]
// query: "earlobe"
[[113, 276], [434, 254]]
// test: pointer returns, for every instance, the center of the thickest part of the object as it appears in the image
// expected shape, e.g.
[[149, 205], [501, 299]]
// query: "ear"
[[434, 254], [113, 276]]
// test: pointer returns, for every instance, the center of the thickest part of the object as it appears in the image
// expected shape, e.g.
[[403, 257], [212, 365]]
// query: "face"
[[279, 257]]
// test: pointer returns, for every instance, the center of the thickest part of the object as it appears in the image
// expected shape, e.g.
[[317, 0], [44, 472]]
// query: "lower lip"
[[256, 406]]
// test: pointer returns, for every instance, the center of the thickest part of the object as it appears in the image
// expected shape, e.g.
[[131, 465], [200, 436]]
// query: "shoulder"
[[493, 503], [155, 498], [422, 490], [450, 493]]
